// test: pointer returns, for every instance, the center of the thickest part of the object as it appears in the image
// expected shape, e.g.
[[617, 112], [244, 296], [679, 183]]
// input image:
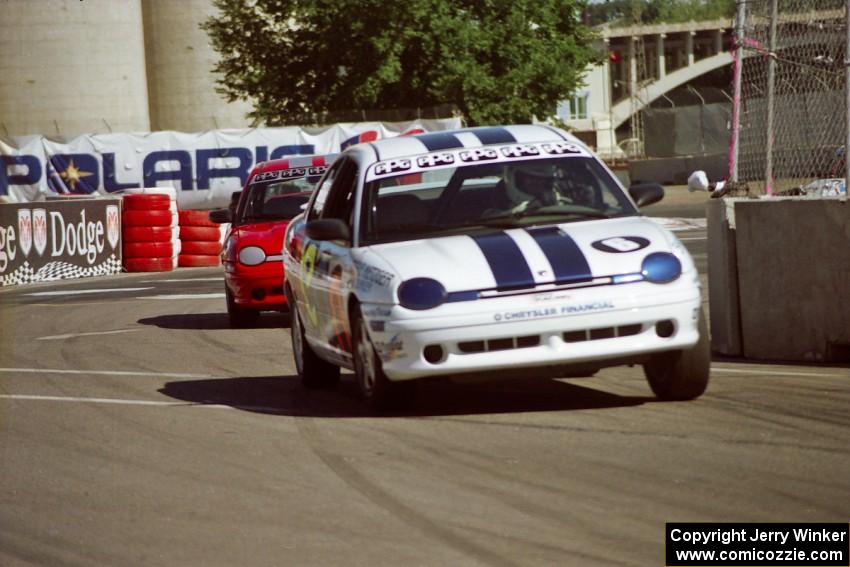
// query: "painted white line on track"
[[74, 335], [186, 296], [776, 372], [90, 400], [694, 238], [83, 291], [216, 279], [115, 401], [103, 372], [65, 304]]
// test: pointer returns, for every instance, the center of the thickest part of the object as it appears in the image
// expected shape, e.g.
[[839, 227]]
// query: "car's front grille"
[[528, 341], [505, 343], [602, 333]]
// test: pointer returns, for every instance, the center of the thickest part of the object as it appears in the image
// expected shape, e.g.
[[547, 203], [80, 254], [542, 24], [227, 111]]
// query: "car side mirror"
[[646, 193], [328, 229], [220, 216]]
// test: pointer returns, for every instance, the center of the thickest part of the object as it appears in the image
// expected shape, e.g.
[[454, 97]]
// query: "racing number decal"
[[621, 244], [338, 311], [308, 270], [335, 300]]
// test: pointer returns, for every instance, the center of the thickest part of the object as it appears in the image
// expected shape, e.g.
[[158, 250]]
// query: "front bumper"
[[539, 330], [257, 287]]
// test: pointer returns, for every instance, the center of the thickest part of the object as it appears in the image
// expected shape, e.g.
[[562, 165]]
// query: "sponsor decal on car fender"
[[368, 276], [390, 349]]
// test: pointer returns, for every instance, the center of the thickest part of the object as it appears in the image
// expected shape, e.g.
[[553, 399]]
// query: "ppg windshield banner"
[[205, 168], [53, 240]]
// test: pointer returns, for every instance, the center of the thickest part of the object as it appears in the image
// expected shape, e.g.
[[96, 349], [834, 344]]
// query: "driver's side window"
[[340, 200], [318, 205]]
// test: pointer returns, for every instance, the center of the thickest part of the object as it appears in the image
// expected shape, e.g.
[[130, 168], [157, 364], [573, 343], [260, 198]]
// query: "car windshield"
[[511, 194], [275, 200]]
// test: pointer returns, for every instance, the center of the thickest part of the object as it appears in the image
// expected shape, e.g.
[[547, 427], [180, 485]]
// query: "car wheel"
[[683, 374], [314, 372], [377, 391], [239, 316]]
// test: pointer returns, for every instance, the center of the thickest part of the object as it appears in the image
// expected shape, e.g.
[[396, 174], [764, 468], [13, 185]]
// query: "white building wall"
[[69, 67], [180, 63]]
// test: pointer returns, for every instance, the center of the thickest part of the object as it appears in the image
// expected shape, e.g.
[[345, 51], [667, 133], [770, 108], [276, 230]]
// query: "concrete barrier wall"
[[792, 270], [724, 305]]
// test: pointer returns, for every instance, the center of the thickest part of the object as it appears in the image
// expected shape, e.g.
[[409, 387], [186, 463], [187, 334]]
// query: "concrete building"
[[673, 55], [73, 67], [98, 66]]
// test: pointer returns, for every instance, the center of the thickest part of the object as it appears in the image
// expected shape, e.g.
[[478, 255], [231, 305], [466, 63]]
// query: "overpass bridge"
[[662, 56]]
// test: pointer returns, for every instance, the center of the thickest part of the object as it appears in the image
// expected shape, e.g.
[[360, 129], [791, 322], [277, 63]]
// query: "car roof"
[[293, 161], [403, 146]]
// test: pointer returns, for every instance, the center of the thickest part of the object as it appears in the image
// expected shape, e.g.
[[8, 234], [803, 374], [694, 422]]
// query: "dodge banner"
[[53, 240], [205, 168]]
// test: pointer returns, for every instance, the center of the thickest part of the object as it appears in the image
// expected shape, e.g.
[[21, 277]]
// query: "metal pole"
[[736, 97], [771, 80], [847, 95]]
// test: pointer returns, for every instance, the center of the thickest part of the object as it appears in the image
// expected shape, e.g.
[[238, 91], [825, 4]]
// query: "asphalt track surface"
[[137, 428]]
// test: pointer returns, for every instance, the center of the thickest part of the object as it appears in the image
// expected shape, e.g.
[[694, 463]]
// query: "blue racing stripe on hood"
[[439, 141], [493, 135], [567, 260], [505, 259]]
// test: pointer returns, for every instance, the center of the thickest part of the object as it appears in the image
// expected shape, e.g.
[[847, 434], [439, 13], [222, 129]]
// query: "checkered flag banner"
[[59, 270]]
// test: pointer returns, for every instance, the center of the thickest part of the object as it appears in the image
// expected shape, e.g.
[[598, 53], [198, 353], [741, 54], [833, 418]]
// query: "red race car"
[[275, 192]]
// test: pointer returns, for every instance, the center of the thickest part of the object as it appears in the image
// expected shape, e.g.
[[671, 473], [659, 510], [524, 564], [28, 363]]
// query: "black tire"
[[239, 316], [682, 374], [376, 390], [314, 372]]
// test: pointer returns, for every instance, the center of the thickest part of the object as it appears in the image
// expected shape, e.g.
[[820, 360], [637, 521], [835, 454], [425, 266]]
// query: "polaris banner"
[[205, 168], [53, 240]]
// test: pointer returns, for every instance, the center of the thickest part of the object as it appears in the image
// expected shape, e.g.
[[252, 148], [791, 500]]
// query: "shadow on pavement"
[[212, 321], [284, 395]]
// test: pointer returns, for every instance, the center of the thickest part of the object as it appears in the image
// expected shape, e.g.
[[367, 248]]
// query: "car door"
[[327, 266]]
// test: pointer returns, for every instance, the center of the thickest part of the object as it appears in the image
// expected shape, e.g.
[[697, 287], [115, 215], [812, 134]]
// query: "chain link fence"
[[793, 106]]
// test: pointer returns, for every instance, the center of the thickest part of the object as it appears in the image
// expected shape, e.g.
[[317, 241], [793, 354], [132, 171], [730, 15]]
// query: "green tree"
[[623, 12], [497, 61]]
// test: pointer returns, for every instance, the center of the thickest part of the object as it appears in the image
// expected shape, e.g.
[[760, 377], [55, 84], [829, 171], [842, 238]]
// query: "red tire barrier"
[[148, 264], [148, 249], [195, 218], [147, 218], [202, 233], [206, 248], [197, 260], [148, 234], [147, 202]]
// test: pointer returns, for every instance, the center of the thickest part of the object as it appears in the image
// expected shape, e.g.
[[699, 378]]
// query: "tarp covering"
[[204, 167], [687, 130]]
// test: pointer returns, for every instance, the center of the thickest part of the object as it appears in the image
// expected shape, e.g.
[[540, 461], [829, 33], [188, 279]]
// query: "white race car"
[[494, 251]]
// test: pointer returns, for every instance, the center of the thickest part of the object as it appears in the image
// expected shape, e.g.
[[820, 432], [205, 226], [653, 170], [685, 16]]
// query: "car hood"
[[521, 257], [267, 235]]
